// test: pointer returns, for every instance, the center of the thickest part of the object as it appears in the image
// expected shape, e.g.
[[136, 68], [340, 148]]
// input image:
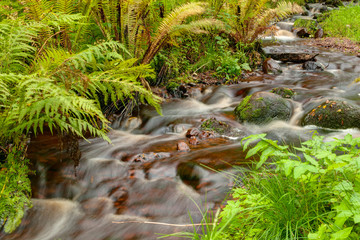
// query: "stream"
[[114, 194]]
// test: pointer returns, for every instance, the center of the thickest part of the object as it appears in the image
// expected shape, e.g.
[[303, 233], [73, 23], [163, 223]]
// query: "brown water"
[[109, 187]]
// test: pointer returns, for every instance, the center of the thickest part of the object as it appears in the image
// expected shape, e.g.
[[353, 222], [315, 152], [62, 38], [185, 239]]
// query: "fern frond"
[[64, 6], [198, 27], [169, 24], [16, 46], [38, 9], [4, 93], [120, 82], [58, 20], [41, 103], [92, 57]]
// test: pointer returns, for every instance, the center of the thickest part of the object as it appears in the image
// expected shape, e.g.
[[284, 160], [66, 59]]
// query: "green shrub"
[[344, 22], [314, 194]]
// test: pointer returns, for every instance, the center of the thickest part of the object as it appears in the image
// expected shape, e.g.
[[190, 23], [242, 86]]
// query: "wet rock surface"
[[335, 114], [271, 66], [313, 66], [302, 33], [183, 147], [147, 157], [295, 57], [262, 108], [319, 33]]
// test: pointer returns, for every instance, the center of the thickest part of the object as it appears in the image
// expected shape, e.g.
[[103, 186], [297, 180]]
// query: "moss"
[[283, 92], [247, 110], [242, 108], [214, 125]]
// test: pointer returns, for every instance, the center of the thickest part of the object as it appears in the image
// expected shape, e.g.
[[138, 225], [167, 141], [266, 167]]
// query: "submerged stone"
[[262, 108], [313, 66], [183, 147], [335, 114]]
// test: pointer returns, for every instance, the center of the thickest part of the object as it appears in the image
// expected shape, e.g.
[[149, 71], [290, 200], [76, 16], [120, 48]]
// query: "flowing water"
[[111, 195]]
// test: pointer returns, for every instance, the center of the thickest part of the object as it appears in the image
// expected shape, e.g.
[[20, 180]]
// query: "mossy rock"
[[262, 108], [283, 92], [334, 114], [216, 126]]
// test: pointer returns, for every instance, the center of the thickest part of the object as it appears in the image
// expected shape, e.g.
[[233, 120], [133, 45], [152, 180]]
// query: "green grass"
[[344, 22]]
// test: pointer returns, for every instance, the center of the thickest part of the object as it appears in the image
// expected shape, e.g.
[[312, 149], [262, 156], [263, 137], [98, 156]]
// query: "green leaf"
[[343, 186], [302, 169], [245, 66], [252, 138], [264, 156], [259, 147], [289, 166], [357, 218], [320, 234], [342, 234], [299, 171], [311, 160]]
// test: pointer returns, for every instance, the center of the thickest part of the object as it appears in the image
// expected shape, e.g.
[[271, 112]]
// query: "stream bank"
[[144, 184]]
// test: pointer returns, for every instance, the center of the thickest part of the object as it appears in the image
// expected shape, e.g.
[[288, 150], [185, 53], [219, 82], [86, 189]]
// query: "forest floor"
[[337, 44]]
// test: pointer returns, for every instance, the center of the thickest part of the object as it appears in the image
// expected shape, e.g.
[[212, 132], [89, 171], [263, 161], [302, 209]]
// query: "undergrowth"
[[306, 192]]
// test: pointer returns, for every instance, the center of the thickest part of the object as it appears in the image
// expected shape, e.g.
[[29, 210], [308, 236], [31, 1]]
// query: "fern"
[[120, 82], [251, 18], [16, 45], [98, 69], [39, 102], [59, 87], [172, 24]]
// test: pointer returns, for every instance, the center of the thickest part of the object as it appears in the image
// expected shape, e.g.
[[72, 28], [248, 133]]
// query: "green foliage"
[[248, 19], [310, 25], [11, 9], [344, 22], [313, 194], [14, 187], [45, 84], [38, 102], [16, 45], [203, 53]]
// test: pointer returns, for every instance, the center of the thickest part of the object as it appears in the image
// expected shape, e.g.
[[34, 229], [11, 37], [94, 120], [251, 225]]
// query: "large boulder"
[[263, 107], [335, 114]]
